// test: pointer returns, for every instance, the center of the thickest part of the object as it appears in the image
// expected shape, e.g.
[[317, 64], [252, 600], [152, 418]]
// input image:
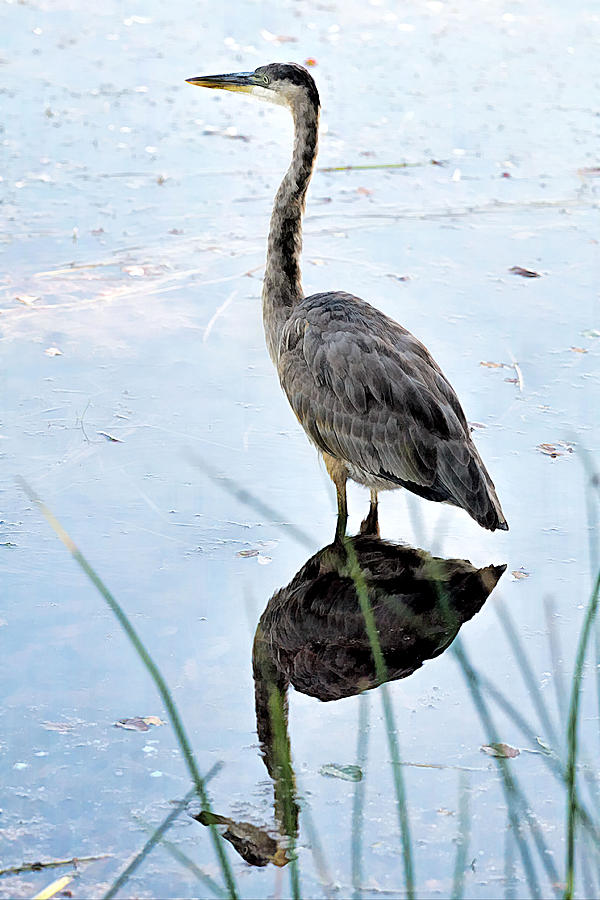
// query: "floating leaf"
[[524, 273], [139, 723], [494, 365], [503, 751], [247, 553], [578, 350], [553, 450], [310, 62], [346, 773], [520, 574]]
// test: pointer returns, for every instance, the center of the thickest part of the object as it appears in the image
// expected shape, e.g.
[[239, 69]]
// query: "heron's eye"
[[265, 79]]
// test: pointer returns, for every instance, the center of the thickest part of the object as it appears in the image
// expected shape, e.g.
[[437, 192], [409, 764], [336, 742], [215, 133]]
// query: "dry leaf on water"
[[495, 365], [553, 450], [139, 723], [524, 273], [504, 751], [519, 574]]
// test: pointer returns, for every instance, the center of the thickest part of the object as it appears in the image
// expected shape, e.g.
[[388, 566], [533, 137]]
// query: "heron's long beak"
[[240, 81]]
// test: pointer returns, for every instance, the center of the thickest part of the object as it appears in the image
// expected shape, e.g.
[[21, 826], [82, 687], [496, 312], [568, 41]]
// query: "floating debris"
[[524, 273], [231, 132], [552, 450], [139, 723], [277, 38], [346, 773], [520, 574], [27, 299], [110, 437], [61, 727], [546, 748], [500, 750], [53, 351]]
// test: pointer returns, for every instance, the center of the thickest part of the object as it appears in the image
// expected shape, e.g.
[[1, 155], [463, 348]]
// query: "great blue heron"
[[368, 394]]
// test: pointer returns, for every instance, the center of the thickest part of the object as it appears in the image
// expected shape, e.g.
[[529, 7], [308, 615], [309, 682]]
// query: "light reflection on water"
[[164, 237]]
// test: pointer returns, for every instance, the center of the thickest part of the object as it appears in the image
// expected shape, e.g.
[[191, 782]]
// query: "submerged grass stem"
[[152, 669]]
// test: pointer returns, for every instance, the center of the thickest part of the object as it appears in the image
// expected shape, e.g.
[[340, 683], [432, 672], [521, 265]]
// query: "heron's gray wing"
[[368, 392]]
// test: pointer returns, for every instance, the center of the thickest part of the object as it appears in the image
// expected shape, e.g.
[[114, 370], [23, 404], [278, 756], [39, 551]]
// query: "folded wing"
[[369, 393]]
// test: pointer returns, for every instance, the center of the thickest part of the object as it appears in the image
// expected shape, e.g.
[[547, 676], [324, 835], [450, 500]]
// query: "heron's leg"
[[342, 503], [338, 473], [370, 525]]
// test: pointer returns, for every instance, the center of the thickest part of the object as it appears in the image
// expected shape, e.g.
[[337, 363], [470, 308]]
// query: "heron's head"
[[286, 84]]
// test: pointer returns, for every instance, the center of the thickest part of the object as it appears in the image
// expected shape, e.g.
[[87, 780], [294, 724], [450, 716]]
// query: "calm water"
[[134, 216]]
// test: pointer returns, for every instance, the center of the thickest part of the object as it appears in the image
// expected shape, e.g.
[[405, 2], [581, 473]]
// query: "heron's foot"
[[370, 524]]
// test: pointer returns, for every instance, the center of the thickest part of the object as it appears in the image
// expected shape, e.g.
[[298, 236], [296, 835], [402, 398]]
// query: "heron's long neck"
[[282, 287]]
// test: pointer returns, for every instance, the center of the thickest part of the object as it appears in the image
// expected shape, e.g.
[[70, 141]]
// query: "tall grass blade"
[[586, 873], [150, 844], [507, 778], [254, 502], [514, 795], [189, 864], [572, 737], [362, 593], [510, 871], [151, 667], [316, 847], [462, 843], [358, 802], [285, 787], [556, 657], [551, 760], [527, 673], [591, 486]]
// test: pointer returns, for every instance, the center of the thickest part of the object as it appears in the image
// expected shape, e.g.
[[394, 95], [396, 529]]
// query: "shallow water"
[[134, 212]]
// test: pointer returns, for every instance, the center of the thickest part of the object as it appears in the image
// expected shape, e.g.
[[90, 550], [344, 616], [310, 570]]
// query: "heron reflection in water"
[[369, 395], [312, 636]]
